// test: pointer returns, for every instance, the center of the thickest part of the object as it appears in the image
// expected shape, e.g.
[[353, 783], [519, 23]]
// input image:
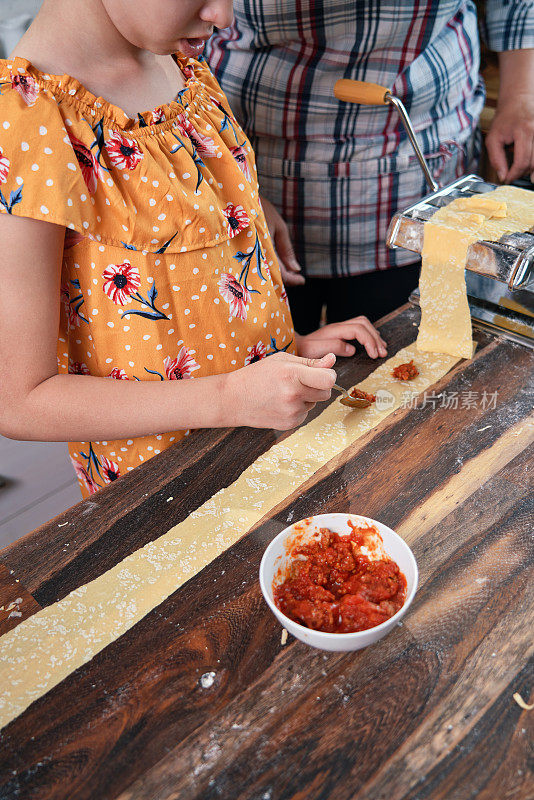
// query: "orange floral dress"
[[168, 269]]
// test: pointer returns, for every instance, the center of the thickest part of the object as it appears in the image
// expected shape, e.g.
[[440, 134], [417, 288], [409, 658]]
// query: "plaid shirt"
[[338, 172]]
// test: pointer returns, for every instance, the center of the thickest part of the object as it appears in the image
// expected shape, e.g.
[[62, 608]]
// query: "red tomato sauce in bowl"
[[333, 586]]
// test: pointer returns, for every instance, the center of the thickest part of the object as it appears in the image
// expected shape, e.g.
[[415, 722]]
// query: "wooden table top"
[[428, 712]]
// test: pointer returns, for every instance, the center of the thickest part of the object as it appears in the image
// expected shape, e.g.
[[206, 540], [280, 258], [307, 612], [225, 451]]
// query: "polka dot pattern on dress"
[[163, 250]]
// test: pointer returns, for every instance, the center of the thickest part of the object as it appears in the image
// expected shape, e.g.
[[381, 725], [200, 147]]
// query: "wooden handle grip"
[[369, 94]]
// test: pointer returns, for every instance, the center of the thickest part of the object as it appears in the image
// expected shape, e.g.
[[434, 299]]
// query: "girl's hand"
[[278, 391], [335, 338], [289, 266]]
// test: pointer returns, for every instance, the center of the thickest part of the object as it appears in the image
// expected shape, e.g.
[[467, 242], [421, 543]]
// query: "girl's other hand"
[[277, 392], [336, 338], [289, 266]]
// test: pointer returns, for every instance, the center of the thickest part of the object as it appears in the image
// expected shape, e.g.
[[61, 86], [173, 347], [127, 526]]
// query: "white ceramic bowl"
[[276, 556]]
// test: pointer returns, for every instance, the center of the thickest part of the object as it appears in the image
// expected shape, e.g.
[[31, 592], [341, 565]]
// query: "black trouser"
[[373, 295]]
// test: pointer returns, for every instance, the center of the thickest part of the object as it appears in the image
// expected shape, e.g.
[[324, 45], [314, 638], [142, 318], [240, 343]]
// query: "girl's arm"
[[37, 403]]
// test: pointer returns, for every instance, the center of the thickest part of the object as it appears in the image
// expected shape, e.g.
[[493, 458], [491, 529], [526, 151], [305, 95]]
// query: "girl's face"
[[164, 26]]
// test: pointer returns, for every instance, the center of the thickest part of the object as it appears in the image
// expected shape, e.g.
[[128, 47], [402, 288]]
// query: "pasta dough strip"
[[445, 318], [46, 648]]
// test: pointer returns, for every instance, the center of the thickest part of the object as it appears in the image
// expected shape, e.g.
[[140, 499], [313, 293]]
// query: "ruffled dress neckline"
[[66, 86]]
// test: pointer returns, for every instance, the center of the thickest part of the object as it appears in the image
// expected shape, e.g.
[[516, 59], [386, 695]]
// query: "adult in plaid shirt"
[[338, 172]]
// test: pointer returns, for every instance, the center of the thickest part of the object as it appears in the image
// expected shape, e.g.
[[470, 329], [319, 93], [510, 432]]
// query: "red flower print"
[[73, 321], [123, 152], [83, 475], [158, 115], [110, 470], [256, 353], [237, 296], [78, 368], [240, 155], [188, 71], [4, 167], [27, 87], [121, 281], [204, 145], [236, 219], [91, 169], [182, 366], [119, 374]]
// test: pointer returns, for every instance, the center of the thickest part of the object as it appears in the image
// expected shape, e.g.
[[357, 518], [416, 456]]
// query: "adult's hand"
[[289, 266], [513, 123]]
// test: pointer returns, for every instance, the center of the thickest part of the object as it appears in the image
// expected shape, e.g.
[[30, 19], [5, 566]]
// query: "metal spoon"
[[348, 400]]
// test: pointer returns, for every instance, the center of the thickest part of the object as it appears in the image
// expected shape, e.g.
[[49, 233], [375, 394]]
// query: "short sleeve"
[[67, 159], [40, 175], [509, 25]]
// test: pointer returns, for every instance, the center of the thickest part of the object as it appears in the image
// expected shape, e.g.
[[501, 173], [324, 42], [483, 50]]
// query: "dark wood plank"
[[513, 778], [443, 697], [494, 757], [389, 471], [16, 603], [116, 718]]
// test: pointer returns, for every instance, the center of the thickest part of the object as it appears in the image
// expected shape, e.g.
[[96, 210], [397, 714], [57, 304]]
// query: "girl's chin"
[[191, 48]]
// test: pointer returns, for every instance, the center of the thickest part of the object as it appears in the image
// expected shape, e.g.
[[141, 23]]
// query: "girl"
[[140, 237]]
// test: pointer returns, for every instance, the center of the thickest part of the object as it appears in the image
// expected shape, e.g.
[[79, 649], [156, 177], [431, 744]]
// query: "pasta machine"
[[499, 274]]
